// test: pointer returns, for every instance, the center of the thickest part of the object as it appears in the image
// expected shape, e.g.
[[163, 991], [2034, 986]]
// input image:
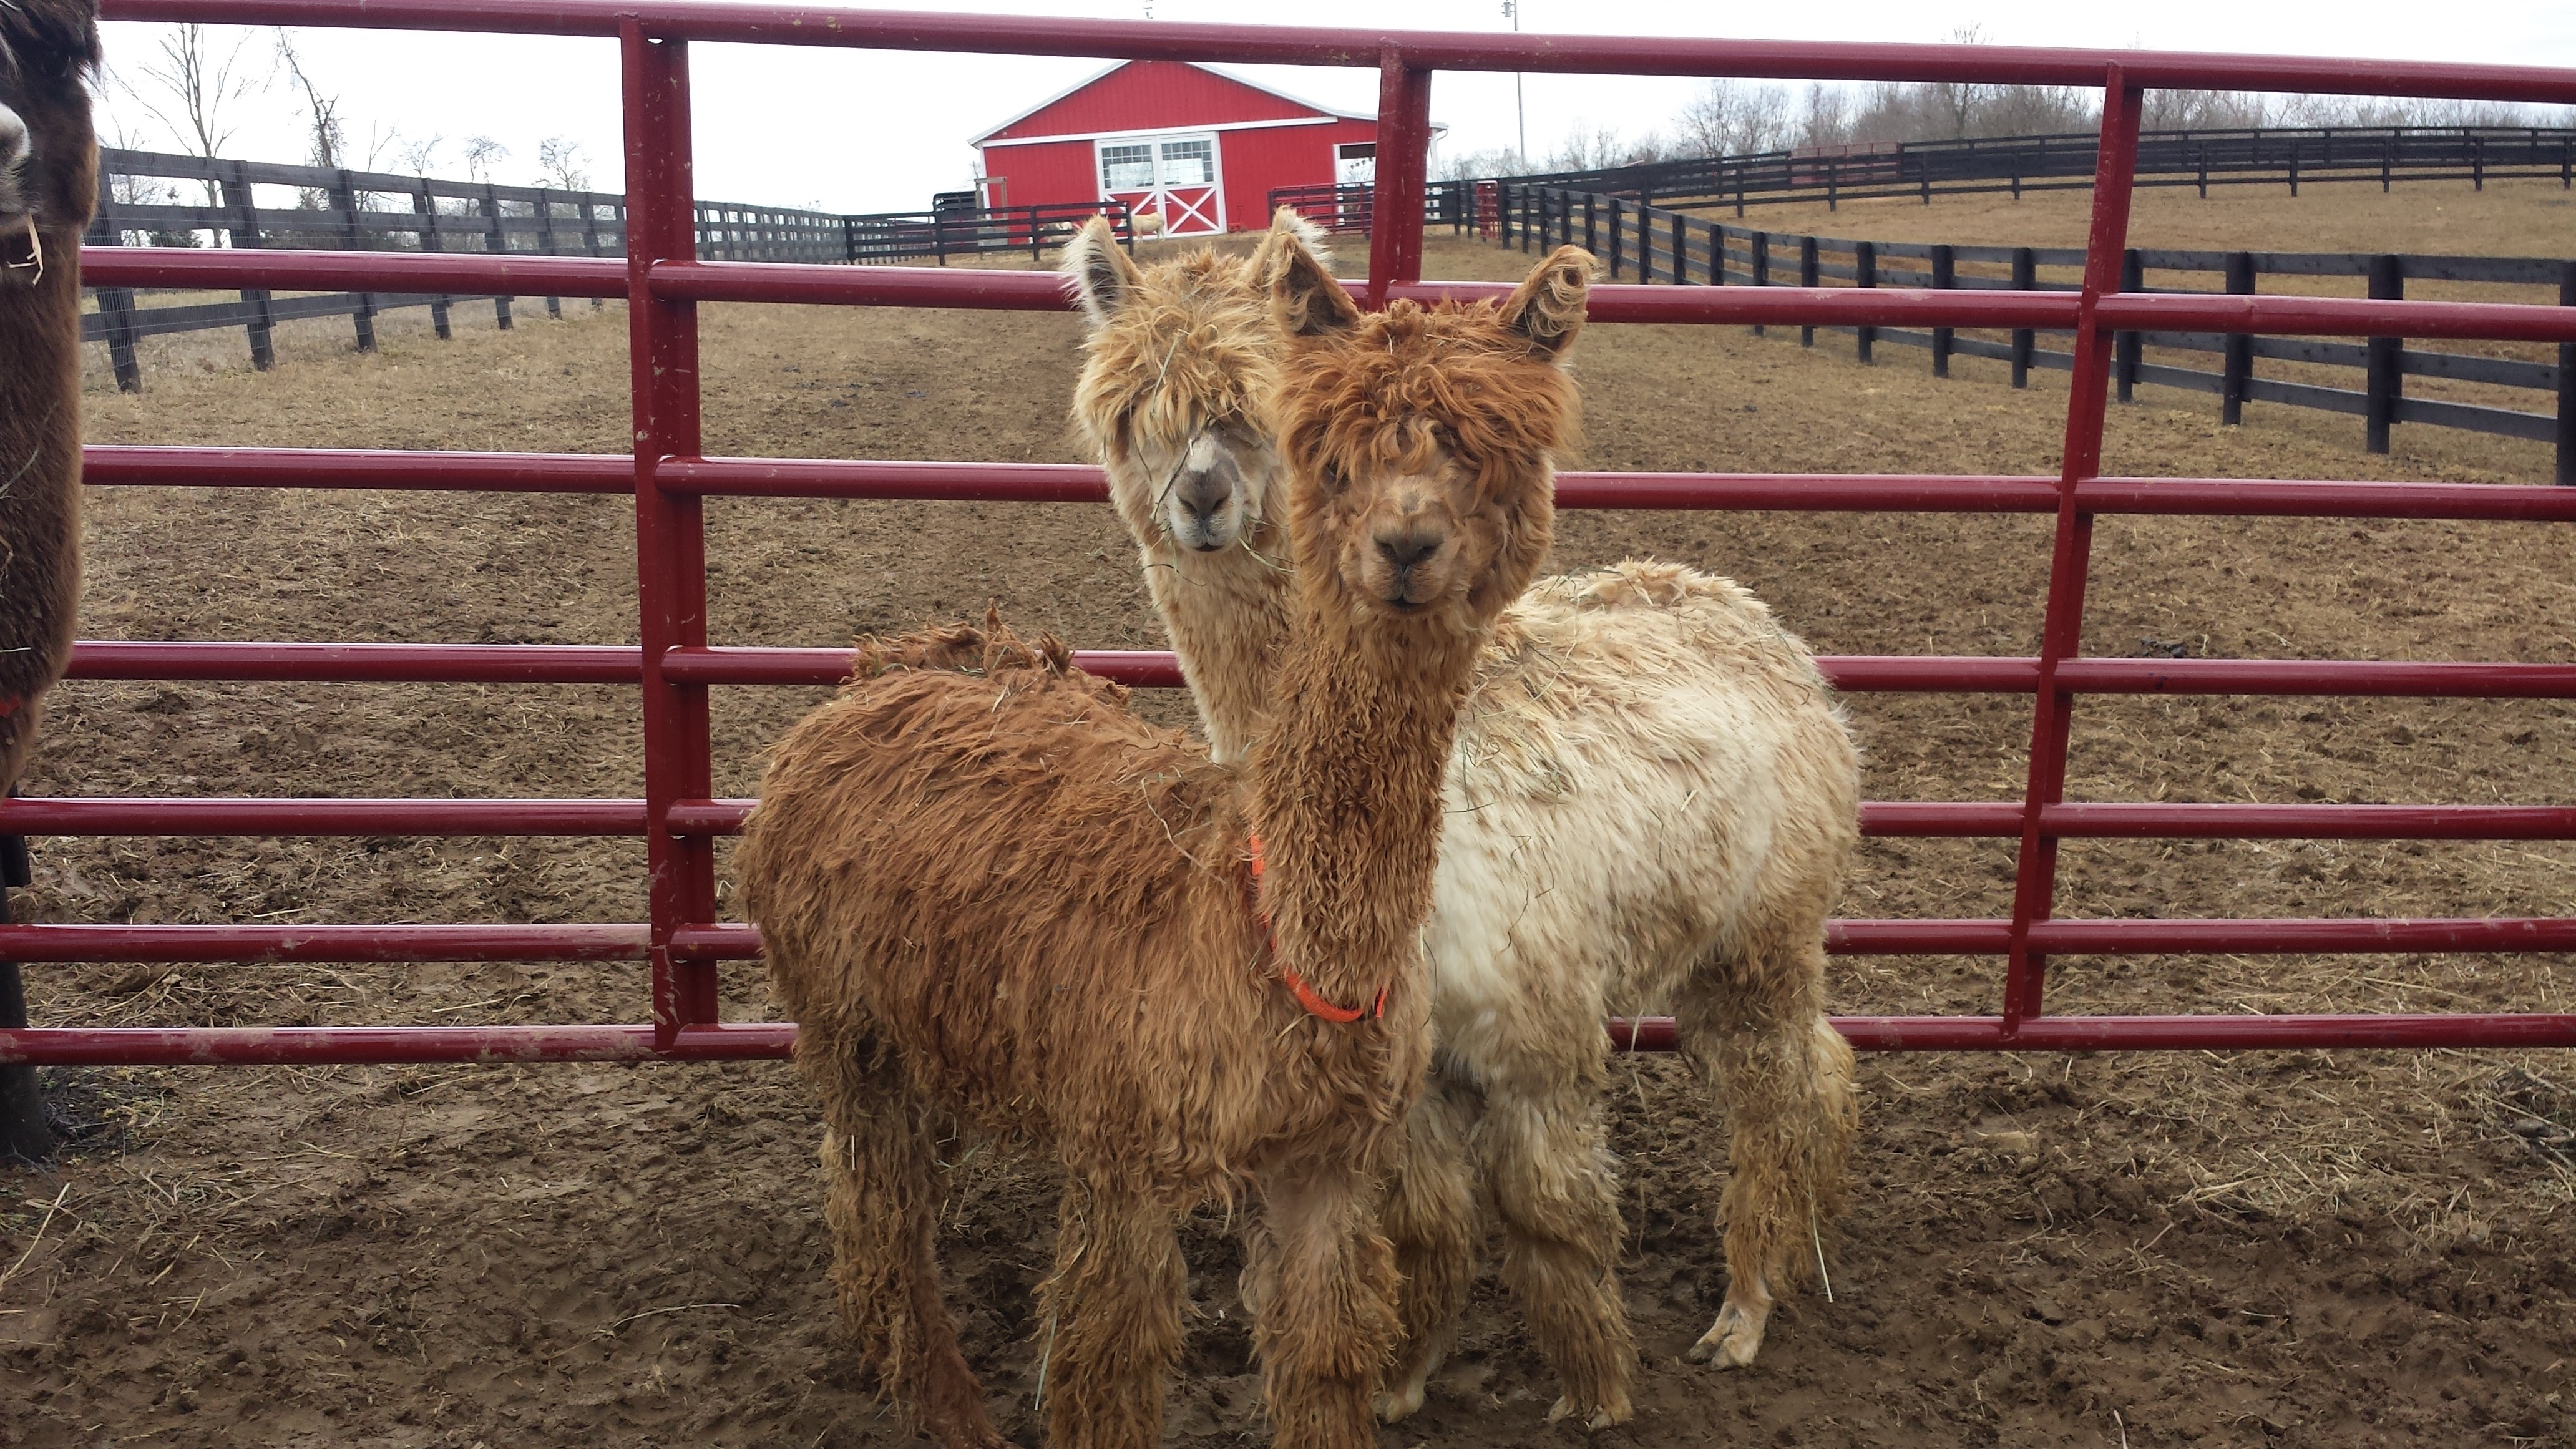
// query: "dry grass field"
[[2273, 1248]]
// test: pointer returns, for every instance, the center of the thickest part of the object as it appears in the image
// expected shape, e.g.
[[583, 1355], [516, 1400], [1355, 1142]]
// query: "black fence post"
[[2238, 369], [939, 235], [2387, 374], [2294, 168], [115, 304], [1716, 249], [1807, 278], [2567, 387], [430, 241], [496, 242], [344, 199], [590, 238], [2025, 278], [24, 1132], [2477, 163], [1645, 243], [1945, 275], [1758, 262], [1865, 274], [1592, 230], [546, 242], [245, 230], [2126, 347]]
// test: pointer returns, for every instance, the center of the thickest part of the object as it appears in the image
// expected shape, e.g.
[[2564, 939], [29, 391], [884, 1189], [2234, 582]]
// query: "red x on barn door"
[[1171, 177]]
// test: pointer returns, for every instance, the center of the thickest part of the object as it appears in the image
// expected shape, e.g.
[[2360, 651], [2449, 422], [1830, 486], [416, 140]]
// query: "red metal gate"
[[662, 282]]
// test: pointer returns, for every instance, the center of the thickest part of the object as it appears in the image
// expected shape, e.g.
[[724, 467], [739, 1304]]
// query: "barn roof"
[[1320, 112]]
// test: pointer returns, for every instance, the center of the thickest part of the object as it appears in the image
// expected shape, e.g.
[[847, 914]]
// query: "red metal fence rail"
[[674, 667]]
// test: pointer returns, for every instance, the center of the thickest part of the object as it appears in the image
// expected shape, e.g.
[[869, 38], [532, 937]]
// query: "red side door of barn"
[[1172, 177]]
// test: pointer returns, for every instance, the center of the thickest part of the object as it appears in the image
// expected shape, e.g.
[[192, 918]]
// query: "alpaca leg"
[[1113, 1315], [884, 1190], [1785, 1079], [1320, 1282], [1434, 1220], [1555, 1188]]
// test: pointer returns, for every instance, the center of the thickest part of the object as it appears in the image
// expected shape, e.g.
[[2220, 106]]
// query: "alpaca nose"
[[1402, 551], [1203, 494]]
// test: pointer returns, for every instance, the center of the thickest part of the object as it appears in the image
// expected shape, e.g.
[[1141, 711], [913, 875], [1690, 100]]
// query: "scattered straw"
[[50, 1209]]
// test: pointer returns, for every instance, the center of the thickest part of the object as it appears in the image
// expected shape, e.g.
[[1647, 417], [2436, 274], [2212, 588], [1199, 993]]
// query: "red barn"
[[1200, 148]]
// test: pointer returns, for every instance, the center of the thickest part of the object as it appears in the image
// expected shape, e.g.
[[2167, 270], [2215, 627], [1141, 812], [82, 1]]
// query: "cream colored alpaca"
[[1651, 803]]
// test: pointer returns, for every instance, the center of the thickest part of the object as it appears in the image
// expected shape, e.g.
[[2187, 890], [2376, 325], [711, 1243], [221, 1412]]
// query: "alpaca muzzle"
[[1206, 502]]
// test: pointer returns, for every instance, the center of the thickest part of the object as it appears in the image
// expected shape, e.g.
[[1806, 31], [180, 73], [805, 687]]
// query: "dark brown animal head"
[[1174, 382], [1422, 442], [48, 155]]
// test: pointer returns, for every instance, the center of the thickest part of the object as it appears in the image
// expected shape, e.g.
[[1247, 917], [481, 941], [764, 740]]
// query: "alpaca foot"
[[1397, 1404], [1606, 1416], [1734, 1339]]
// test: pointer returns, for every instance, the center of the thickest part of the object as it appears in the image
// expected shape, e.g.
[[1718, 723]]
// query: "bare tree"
[[1827, 121], [326, 141], [480, 154], [195, 92], [559, 165], [1734, 118], [419, 153], [1951, 107], [382, 141], [1502, 161]]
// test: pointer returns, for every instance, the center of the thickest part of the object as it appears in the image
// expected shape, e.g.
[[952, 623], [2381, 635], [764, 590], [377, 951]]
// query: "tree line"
[[1739, 118], [198, 91]]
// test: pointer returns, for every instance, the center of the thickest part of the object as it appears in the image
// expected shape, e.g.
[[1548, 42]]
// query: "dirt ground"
[[2358, 1248]]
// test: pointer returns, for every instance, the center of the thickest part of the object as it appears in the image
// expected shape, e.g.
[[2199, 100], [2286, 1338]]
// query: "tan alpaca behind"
[[1650, 807], [992, 898], [48, 181]]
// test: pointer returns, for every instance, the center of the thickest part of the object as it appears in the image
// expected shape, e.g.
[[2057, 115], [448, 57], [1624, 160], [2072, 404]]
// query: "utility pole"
[[1512, 11]]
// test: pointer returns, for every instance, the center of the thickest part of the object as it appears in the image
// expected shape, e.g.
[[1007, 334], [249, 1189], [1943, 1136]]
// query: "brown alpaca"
[[48, 182], [995, 901], [1652, 802]]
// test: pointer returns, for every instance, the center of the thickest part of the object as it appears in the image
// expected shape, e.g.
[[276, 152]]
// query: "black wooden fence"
[[371, 211], [2278, 156], [900, 236], [1651, 244]]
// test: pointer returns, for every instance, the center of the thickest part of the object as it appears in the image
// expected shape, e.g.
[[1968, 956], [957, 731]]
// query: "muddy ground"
[[2362, 1248]]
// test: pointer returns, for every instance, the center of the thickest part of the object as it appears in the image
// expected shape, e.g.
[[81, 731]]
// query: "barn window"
[[1189, 163], [1126, 168], [1355, 163]]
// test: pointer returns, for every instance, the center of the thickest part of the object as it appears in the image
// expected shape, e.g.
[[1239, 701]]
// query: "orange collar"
[[1305, 994]]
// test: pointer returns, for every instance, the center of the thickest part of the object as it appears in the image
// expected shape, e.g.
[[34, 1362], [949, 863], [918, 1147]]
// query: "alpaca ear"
[[1304, 299], [1547, 307], [1103, 276], [1286, 225]]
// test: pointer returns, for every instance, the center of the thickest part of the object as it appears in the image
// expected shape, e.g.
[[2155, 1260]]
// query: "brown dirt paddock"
[[2250, 1249]]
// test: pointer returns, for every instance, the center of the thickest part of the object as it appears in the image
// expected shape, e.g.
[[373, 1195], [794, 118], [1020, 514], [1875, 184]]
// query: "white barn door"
[[1174, 177]]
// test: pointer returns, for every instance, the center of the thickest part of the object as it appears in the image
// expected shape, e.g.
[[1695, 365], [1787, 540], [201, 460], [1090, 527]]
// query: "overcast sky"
[[859, 130]]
